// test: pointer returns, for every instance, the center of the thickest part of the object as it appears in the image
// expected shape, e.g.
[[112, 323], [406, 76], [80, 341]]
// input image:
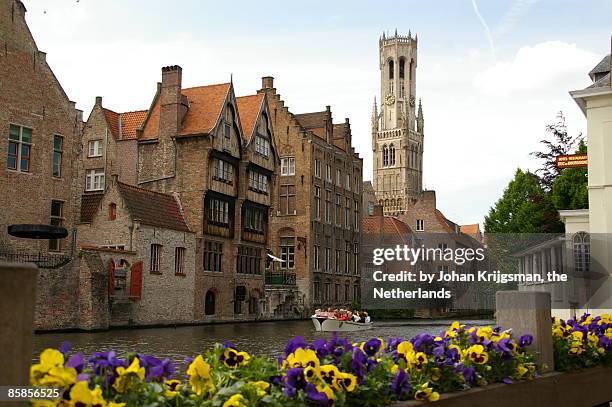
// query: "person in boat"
[[367, 318]]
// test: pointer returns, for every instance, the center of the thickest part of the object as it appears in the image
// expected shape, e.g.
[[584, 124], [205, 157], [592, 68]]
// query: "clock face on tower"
[[389, 99]]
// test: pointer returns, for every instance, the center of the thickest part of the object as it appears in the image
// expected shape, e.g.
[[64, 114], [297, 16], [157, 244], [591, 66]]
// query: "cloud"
[[513, 15], [486, 28], [551, 64]]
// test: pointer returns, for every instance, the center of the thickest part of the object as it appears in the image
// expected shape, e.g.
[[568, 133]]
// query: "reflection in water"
[[264, 338]]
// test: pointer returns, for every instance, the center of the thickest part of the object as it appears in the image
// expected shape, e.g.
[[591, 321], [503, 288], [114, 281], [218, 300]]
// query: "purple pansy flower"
[[400, 384], [318, 397], [76, 361], [525, 340], [293, 344]]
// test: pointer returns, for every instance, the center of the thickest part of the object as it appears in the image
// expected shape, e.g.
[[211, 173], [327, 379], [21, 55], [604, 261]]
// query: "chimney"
[[99, 101], [170, 101], [267, 82]]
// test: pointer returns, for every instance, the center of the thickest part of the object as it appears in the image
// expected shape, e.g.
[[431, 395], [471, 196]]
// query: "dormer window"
[[227, 124]]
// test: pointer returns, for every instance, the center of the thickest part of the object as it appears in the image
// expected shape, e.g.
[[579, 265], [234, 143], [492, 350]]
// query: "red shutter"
[[111, 277], [136, 280]]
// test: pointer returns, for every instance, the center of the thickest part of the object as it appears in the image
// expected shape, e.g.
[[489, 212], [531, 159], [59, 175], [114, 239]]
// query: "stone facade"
[[40, 130], [397, 130], [315, 226], [369, 199], [167, 256], [193, 144]]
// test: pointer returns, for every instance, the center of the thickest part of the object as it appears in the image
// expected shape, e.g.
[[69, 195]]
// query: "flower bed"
[[581, 343], [325, 372]]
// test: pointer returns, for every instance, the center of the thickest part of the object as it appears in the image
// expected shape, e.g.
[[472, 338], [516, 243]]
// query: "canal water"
[[263, 338]]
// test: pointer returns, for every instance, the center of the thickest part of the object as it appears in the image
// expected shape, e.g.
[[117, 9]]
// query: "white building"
[[585, 252]]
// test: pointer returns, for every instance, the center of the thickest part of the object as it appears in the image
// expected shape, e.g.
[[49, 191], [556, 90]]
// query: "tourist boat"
[[335, 325]]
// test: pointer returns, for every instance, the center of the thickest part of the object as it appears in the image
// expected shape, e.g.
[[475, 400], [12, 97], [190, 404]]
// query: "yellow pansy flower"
[[424, 392], [329, 373], [80, 395], [172, 387], [477, 354], [199, 376], [236, 401], [303, 358], [346, 382], [126, 377]]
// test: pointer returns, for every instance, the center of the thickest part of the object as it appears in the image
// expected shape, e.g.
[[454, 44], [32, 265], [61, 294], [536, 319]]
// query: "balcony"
[[280, 278], [42, 260]]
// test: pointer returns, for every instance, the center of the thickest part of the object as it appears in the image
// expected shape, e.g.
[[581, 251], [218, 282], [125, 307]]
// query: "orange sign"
[[572, 161]]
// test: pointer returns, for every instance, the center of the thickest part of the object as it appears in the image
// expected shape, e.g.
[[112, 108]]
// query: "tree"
[[560, 144], [525, 207], [569, 189]]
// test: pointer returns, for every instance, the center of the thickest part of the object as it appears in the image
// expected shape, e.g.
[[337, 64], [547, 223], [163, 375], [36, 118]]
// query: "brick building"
[[315, 226], [40, 127], [152, 271], [193, 144]]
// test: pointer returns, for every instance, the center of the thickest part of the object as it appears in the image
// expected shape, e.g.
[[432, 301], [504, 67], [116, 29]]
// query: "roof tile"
[[205, 104], [248, 109], [153, 208], [89, 206]]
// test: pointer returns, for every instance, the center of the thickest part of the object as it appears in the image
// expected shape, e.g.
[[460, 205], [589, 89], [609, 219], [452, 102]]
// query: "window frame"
[[98, 149], [20, 144], [57, 152], [287, 166], [155, 258], [90, 179], [287, 252], [179, 260], [420, 225], [55, 245], [212, 255]]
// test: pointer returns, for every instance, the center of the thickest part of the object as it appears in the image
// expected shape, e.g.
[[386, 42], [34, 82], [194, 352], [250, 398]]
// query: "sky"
[[491, 74]]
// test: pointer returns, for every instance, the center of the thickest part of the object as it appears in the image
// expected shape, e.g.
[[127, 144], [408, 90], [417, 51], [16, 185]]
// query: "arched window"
[[410, 69], [385, 153], [209, 303], [582, 252], [112, 211], [391, 154], [391, 69], [287, 248], [402, 63]]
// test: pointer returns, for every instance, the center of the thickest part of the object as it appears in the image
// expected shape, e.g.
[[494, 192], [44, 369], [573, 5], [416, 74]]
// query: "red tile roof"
[[112, 119], [390, 225], [471, 229], [248, 110], [89, 206], [153, 208], [205, 104], [130, 121]]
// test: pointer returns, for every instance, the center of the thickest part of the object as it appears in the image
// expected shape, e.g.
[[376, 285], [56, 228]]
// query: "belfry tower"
[[397, 128]]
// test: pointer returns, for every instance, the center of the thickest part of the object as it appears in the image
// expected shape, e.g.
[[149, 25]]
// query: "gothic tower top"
[[397, 125], [397, 61]]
